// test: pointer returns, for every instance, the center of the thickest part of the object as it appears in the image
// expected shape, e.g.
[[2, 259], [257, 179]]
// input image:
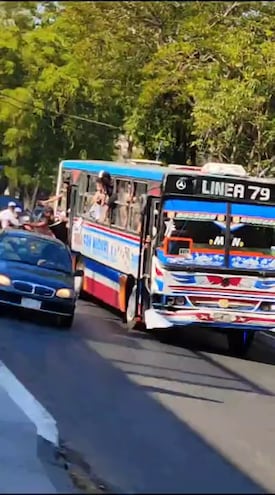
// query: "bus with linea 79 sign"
[[203, 255]]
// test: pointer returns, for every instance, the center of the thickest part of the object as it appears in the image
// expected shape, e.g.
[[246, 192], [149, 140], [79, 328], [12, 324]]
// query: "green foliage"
[[194, 79]]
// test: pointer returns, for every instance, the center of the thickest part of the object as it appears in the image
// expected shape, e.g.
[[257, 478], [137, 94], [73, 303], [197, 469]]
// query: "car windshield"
[[35, 251]]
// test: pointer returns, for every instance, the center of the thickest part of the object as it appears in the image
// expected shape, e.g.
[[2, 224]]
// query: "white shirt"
[[7, 217]]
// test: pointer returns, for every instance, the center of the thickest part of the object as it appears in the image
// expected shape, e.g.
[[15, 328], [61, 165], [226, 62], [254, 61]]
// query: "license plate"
[[30, 303], [225, 317]]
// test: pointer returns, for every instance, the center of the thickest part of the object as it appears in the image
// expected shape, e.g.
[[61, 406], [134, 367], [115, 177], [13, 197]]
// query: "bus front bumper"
[[161, 319]]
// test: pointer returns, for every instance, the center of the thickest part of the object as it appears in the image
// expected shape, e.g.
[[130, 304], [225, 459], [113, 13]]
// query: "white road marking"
[[37, 414]]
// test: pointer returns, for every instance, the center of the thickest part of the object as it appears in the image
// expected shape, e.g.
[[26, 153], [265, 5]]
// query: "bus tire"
[[239, 342], [132, 322], [81, 293], [127, 290]]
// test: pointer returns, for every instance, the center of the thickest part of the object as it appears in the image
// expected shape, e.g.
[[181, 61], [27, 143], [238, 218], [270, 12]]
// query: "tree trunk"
[[34, 195], [12, 190]]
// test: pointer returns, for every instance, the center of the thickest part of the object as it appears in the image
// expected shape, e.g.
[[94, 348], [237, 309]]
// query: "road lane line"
[[44, 422]]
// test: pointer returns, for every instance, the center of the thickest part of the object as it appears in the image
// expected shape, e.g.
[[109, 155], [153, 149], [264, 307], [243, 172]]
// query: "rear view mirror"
[[79, 273]]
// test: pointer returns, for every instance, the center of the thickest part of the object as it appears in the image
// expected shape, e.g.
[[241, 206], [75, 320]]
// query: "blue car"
[[36, 274]]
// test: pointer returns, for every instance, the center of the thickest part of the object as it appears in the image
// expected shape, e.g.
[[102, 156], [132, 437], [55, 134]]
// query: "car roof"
[[32, 235]]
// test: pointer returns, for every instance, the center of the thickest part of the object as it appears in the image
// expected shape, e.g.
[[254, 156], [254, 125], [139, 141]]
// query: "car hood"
[[36, 275]]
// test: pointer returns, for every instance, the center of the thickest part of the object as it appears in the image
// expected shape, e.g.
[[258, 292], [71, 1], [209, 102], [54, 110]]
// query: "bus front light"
[[267, 307], [180, 301], [170, 301]]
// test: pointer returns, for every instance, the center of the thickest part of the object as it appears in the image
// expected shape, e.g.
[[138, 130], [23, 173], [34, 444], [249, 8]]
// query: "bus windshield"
[[197, 230]]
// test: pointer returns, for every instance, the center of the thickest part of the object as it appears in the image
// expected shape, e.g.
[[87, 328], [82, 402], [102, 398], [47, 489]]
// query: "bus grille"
[[223, 302]]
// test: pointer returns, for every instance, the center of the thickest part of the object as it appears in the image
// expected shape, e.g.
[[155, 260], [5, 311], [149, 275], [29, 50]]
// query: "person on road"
[[8, 216], [43, 225], [51, 199], [49, 224]]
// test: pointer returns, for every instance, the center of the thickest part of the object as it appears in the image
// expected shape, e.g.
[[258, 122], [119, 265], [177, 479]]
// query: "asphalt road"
[[150, 416]]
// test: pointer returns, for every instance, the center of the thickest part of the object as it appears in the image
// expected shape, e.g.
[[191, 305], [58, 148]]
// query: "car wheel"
[[65, 322]]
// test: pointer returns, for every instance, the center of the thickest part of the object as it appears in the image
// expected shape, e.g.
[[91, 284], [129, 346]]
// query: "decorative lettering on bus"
[[234, 190], [220, 241]]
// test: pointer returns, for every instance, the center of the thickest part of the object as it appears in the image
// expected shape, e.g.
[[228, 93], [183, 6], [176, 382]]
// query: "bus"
[[180, 246]]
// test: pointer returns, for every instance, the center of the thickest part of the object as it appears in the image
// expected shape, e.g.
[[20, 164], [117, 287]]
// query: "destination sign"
[[225, 188]]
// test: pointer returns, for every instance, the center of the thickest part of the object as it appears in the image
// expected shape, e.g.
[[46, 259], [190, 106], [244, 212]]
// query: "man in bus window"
[[107, 182], [99, 202]]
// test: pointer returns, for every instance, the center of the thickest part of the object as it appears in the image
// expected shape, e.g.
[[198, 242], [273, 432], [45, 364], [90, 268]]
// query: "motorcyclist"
[[8, 216]]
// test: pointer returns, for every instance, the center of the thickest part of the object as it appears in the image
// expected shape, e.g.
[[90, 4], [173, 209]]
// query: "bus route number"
[[260, 193]]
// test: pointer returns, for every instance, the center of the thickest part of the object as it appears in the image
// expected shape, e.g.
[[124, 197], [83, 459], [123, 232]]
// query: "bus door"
[[72, 214], [148, 235]]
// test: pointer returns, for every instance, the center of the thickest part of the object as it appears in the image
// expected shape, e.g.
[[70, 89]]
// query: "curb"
[[45, 424]]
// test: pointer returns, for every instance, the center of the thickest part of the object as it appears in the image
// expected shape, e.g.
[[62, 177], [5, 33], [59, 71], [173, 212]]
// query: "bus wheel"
[[239, 342], [132, 322], [79, 289]]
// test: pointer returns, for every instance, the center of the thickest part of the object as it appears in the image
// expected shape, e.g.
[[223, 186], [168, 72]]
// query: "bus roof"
[[135, 171]]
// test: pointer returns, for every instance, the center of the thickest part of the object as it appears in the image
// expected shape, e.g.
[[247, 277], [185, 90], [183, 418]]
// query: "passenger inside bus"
[[117, 202], [99, 202], [107, 182]]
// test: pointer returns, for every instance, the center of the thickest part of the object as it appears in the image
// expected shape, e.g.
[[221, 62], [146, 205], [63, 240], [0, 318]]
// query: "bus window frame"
[[226, 251], [81, 197], [146, 244], [86, 177]]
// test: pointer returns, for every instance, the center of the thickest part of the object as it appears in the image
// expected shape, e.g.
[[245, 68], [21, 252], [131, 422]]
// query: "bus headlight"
[[180, 301], [170, 301], [5, 281], [65, 293]]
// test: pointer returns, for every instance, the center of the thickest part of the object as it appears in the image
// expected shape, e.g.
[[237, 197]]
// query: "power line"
[[53, 112]]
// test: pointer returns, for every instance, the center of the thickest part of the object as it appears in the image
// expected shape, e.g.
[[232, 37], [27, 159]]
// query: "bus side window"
[[81, 192], [90, 192], [137, 204], [123, 195]]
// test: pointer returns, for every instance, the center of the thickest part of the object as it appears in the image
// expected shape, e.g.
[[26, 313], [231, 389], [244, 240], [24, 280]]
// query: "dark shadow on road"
[[177, 394], [132, 441], [190, 345], [193, 339]]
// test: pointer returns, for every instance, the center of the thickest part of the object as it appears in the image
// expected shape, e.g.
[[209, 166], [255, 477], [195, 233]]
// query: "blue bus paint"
[[193, 206], [253, 211], [101, 269], [153, 172]]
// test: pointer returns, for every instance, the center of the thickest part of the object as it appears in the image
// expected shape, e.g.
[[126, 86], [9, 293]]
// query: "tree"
[[160, 72], [219, 94], [35, 111]]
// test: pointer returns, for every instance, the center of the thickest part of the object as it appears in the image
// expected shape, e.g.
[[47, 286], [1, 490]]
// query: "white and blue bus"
[[178, 246]]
